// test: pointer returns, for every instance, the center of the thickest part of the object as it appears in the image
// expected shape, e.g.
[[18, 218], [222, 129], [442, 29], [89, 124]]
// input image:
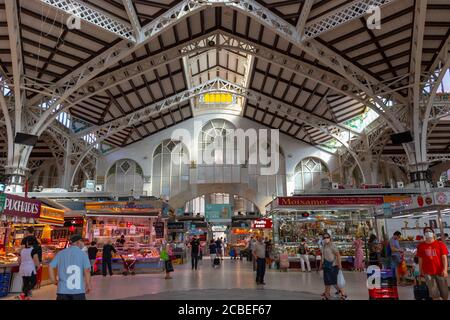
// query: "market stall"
[[410, 216], [344, 218], [136, 229], [240, 234], [177, 238], [16, 214]]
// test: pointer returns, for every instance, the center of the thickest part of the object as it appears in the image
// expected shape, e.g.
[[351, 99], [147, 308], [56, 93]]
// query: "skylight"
[[63, 117], [360, 122], [445, 84]]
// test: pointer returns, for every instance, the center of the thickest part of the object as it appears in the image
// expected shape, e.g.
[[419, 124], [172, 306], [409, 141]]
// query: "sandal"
[[324, 296], [342, 296]]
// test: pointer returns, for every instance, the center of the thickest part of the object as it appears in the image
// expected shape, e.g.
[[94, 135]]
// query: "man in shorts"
[[74, 271], [395, 254], [433, 265]]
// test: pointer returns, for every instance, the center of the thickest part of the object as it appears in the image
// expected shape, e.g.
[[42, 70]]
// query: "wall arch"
[[170, 168], [309, 172], [125, 176]]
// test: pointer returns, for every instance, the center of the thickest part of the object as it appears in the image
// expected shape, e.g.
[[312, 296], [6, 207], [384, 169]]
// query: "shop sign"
[[262, 224], [328, 201], [21, 207], [118, 207], [2, 201], [51, 215], [240, 231], [159, 229], [219, 228], [175, 226], [395, 199]]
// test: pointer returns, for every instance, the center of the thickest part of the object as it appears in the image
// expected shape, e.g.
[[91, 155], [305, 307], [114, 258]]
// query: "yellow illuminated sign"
[[218, 98]]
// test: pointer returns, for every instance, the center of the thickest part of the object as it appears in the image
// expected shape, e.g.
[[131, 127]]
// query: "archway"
[[242, 190]]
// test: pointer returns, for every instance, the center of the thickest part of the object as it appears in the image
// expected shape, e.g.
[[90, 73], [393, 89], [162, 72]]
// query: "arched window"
[[213, 138], [170, 173], [125, 177], [309, 172]]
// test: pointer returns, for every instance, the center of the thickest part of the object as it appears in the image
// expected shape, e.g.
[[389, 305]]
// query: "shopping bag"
[[341, 280], [421, 290], [321, 274]]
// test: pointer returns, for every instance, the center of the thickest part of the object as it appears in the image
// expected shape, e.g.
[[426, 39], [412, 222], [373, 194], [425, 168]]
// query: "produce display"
[[9, 258]]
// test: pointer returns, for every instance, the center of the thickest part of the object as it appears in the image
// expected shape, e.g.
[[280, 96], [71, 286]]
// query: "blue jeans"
[[260, 269]]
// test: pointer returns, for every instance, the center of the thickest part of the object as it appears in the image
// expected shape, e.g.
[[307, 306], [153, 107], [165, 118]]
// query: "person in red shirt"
[[433, 265]]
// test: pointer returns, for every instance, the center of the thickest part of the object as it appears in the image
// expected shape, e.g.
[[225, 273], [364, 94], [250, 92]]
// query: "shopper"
[[121, 241], [212, 251], [164, 254], [29, 237], [359, 254], [74, 276], [259, 255], [303, 250], [395, 255], [331, 264], [195, 250], [219, 248], [433, 265], [375, 248], [108, 249], [29, 264], [92, 254], [268, 244], [249, 249]]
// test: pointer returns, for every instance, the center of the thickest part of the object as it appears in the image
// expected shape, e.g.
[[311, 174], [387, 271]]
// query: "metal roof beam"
[[134, 19], [341, 15], [306, 9], [85, 12]]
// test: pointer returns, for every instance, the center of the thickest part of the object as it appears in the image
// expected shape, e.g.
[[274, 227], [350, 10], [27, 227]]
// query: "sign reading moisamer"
[[327, 201]]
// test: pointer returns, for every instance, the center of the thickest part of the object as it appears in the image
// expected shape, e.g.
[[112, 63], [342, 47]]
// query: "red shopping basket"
[[388, 287]]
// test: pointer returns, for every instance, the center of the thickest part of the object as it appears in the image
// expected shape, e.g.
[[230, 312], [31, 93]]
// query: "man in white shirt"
[[259, 254]]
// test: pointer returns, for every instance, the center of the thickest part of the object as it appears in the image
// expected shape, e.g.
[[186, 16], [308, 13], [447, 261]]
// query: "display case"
[[146, 257]]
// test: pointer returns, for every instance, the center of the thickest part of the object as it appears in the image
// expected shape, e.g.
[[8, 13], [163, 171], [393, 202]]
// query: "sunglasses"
[[326, 237]]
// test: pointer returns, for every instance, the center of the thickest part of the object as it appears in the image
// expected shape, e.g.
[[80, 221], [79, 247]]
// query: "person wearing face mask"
[[433, 265], [330, 264], [74, 271]]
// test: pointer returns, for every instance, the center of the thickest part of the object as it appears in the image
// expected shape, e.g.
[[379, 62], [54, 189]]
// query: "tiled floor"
[[233, 280]]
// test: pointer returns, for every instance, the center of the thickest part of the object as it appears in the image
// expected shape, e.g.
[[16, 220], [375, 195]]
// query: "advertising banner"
[[218, 212], [21, 207]]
